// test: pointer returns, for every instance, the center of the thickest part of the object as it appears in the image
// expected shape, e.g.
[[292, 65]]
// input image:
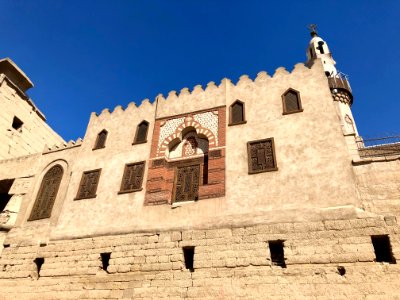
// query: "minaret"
[[338, 82]]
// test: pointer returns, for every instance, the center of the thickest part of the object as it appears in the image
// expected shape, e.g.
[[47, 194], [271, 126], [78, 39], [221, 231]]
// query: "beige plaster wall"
[[314, 163], [315, 172], [35, 133]]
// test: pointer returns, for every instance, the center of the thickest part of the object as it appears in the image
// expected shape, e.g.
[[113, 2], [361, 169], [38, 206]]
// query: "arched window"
[[141, 133], [291, 102], [101, 140], [189, 147], [237, 113], [47, 194]]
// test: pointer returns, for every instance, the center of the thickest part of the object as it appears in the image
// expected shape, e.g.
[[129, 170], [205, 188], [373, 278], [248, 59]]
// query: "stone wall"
[[34, 133], [332, 259], [378, 184]]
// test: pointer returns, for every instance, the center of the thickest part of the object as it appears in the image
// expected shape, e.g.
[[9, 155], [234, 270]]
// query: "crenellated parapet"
[[118, 110], [199, 97], [63, 146]]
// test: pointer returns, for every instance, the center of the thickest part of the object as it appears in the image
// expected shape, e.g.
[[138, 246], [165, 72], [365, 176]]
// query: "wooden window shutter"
[[47, 194], [101, 140], [133, 177], [291, 102], [261, 156], [237, 113], [88, 185], [141, 133]]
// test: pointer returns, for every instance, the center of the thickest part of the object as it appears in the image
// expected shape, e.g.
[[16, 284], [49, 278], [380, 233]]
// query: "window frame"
[[231, 113], [250, 170], [40, 191], [96, 146], [135, 141], [81, 181], [124, 174], [285, 112]]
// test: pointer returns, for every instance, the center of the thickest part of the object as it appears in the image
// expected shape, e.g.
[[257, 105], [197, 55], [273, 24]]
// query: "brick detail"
[[161, 174]]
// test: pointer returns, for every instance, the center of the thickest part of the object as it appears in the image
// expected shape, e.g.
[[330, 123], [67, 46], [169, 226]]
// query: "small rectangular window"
[[17, 123], [141, 133], [88, 185], [105, 260], [291, 102], [277, 254], [39, 261], [101, 140], [188, 254], [382, 248], [236, 113], [261, 156], [133, 177]]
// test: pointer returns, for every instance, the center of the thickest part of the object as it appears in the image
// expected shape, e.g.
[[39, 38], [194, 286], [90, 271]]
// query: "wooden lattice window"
[[187, 180], [236, 115], [133, 177], [141, 133], [47, 194], [101, 140], [261, 156], [88, 185], [291, 102]]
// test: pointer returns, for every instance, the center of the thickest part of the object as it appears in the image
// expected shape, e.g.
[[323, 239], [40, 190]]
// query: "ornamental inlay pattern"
[[209, 120], [178, 151], [169, 128]]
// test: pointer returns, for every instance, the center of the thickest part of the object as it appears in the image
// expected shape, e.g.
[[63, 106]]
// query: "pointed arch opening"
[[291, 102], [101, 140], [191, 144], [237, 113], [47, 193], [190, 156], [141, 133]]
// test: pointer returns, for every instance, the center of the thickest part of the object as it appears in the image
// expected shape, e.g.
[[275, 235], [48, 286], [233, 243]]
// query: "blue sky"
[[85, 56]]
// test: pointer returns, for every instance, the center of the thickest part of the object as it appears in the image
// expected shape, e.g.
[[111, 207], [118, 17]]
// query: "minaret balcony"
[[340, 83]]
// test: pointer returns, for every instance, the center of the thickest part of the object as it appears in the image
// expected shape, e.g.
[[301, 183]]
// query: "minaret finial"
[[313, 29]]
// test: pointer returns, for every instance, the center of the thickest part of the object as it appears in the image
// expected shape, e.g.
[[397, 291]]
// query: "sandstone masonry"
[[259, 189]]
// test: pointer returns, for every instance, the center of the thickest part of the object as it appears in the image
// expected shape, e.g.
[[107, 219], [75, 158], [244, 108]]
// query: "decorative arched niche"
[[188, 153], [190, 145]]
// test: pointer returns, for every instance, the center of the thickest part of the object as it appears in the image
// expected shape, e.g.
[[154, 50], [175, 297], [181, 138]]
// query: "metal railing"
[[385, 146], [341, 81]]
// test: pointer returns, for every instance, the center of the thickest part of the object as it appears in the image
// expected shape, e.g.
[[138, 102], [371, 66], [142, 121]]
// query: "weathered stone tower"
[[258, 189]]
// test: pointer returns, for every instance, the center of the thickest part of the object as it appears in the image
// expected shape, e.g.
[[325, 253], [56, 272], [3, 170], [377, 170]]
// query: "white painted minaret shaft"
[[318, 49]]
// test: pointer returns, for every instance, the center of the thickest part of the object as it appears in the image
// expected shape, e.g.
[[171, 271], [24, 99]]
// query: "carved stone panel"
[[187, 183], [261, 156], [47, 194]]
